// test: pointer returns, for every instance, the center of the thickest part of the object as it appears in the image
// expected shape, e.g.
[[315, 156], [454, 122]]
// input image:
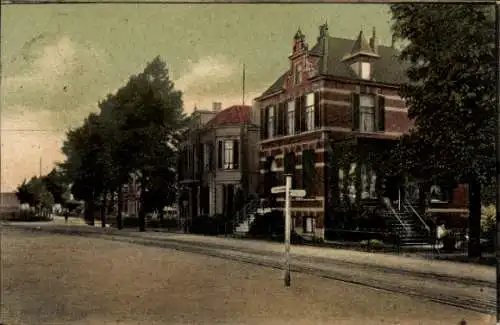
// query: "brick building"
[[337, 98]]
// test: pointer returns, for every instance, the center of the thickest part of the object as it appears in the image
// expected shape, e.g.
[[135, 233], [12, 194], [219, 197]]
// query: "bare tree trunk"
[[119, 222], [142, 213], [89, 212], [103, 210], [474, 247]]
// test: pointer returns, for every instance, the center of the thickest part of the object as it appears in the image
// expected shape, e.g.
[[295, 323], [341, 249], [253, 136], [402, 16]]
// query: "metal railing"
[[395, 214], [242, 215], [408, 206]]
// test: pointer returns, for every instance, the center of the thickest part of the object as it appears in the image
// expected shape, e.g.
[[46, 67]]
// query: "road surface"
[[53, 278]]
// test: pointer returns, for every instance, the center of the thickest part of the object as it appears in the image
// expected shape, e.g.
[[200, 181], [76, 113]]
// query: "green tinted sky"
[[59, 60]]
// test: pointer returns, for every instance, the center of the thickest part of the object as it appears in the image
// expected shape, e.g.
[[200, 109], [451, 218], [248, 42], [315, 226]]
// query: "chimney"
[[216, 106], [323, 31], [373, 41]]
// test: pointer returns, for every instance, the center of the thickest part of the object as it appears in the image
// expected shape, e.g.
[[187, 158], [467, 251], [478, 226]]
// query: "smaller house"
[[219, 163]]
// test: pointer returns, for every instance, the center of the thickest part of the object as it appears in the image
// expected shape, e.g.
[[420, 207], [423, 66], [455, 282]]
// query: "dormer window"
[[366, 72], [362, 69]]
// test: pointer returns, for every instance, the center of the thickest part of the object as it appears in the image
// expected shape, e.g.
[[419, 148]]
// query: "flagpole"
[[243, 83]]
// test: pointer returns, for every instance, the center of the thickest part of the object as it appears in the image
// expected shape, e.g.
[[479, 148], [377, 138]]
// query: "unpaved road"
[[59, 279]]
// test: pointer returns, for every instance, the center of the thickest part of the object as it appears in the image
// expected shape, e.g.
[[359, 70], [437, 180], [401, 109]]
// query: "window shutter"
[[211, 156], [219, 158], [308, 170], [355, 111], [236, 153], [317, 111], [285, 118], [279, 120], [193, 160], [297, 115], [275, 119], [289, 163], [201, 157], [263, 129], [381, 113], [303, 113]]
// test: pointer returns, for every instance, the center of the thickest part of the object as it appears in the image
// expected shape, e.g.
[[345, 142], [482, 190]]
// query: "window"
[[290, 118], [297, 77], [365, 70], [310, 112], [228, 154], [366, 113], [368, 182], [270, 121]]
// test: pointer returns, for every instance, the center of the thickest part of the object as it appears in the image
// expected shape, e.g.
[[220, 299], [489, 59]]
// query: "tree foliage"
[[451, 89], [35, 194], [136, 132], [451, 97]]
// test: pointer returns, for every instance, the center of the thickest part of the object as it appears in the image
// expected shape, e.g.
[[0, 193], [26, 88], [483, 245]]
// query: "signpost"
[[287, 189]]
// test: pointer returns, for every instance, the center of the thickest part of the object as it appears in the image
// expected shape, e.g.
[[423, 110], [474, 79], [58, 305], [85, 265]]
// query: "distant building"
[[218, 162], [9, 203]]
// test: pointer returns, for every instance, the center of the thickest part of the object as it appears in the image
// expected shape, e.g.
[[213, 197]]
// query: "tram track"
[[469, 295]]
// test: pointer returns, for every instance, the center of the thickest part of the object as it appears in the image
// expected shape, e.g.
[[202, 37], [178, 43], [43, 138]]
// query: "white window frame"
[[290, 117], [366, 109], [310, 112], [228, 151], [270, 121], [365, 70]]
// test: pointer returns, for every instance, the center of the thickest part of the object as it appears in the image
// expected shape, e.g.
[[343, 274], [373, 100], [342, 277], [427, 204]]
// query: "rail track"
[[470, 295]]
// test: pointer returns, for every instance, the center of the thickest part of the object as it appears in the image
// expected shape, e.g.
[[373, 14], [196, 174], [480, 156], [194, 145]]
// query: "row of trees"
[[451, 97], [134, 134], [43, 192]]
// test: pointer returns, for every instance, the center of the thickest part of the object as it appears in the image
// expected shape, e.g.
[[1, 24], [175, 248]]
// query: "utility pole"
[[243, 84], [40, 167]]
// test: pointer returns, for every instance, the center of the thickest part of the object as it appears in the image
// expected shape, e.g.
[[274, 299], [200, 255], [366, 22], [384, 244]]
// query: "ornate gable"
[[303, 65]]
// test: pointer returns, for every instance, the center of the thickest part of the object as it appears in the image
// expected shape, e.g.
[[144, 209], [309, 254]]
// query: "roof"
[[385, 69], [236, 114], [361, 45]]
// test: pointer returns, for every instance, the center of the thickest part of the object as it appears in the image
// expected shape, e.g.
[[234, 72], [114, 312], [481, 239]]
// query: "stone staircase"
[[407, 224], [245, 217]]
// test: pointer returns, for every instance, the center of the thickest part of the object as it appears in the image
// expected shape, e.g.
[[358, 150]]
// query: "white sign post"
[[287, 189]]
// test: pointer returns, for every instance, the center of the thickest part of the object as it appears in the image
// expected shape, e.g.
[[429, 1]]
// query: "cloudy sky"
[[59, 60]]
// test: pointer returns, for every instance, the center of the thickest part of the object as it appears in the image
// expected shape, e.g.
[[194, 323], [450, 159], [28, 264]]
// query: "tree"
[[24, 194], [57, 185], [88, 163], [451, 97], [35, 194], [151, 117]]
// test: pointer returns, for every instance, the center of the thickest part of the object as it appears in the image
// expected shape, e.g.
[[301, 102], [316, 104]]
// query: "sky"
[[59, 60]]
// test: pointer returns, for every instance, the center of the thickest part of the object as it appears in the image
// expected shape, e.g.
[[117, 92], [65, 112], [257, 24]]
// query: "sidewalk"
[[420, 266], [411, 264]]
